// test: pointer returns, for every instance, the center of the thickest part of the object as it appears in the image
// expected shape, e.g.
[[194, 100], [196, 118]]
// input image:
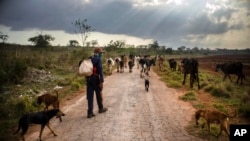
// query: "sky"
[[172, 23]]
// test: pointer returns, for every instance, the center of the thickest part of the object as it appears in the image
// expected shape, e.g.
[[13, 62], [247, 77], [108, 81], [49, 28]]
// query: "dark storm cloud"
[[41, 14], [203, 25], [224, 13], [162, 22]]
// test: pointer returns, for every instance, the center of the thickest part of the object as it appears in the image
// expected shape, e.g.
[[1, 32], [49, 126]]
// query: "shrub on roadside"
[[77, 83], [219, 92], [199, 106], [219, 107], [189, 96], [245, 110], [209, 88]]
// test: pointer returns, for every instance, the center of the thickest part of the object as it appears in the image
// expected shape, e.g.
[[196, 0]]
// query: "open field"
[[209, 62], [216, 94]]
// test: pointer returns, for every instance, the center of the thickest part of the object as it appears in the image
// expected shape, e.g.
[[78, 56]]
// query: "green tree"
[[181, 48], [195, 50], [116, 44], [169, 50], [3, 37], [83, 29], [94, 43], [41, 40], [73, 43], [155, 45]]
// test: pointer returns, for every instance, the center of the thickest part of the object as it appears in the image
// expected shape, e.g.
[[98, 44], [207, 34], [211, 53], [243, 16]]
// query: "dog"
[[146, 82], [48, 100], [212, 116], [41, 118]]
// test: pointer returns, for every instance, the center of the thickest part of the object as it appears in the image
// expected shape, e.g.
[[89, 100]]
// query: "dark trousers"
[[93, 86]]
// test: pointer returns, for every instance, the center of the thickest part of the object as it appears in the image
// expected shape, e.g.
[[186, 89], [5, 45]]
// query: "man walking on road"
[[95, 83]]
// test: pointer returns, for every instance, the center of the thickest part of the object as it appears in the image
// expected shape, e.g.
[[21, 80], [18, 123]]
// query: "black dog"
[[41, 118]]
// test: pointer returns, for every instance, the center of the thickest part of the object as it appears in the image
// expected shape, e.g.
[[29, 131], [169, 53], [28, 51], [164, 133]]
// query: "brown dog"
[[212, 116], [48, 100]]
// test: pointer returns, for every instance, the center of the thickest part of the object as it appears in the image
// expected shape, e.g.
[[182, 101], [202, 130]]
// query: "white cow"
[[117, 62], [110, 62]]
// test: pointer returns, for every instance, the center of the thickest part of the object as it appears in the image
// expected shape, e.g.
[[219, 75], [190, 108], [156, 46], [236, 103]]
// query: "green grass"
[[225, 96], [19, 95], [199, 105], [220, 107], [189, 96]]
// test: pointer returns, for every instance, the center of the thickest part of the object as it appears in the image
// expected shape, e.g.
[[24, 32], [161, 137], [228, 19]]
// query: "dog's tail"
[[56, 93], [57, 100], [19, 125]]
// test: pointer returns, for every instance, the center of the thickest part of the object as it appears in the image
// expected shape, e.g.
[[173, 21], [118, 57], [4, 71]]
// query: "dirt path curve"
[[133, 114]]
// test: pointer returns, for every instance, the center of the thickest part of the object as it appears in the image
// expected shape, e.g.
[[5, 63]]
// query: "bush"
[[14, 71], [245, 110], [190, 96], [209, 88], [199, 106], [219, 107], [3, 78], [203, 85], [21, 105], [219, 92], [77, 84], [174, 84]]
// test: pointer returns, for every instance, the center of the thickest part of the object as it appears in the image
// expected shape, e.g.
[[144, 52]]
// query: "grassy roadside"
[[224, 96], [27, 72]]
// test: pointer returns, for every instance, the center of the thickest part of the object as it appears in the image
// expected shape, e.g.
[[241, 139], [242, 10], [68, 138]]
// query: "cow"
[[110, 63], [180, 68], [137, 59], [117, 62], [232, 68], [132, 58], [131, 62], [172, 64], [121, 64], [124, 58], [149, 61], [190, 66], [130, 65], [145, 64], [142, 63], [160, 61], [152, 61]]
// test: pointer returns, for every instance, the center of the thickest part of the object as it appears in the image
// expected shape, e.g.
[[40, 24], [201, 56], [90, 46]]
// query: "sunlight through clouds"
[[156, 2], [210, 23]]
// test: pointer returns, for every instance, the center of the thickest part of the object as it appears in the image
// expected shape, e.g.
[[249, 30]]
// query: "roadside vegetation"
[[216, 94], [27, 71]]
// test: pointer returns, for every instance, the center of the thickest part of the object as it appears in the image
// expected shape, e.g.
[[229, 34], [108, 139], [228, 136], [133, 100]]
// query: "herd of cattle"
[[187, 66]]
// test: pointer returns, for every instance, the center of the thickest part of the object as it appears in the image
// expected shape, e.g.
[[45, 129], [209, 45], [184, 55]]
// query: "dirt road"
[[133, 114]]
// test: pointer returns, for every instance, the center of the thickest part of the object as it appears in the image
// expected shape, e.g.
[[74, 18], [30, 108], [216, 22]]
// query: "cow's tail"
[[244, 77]]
